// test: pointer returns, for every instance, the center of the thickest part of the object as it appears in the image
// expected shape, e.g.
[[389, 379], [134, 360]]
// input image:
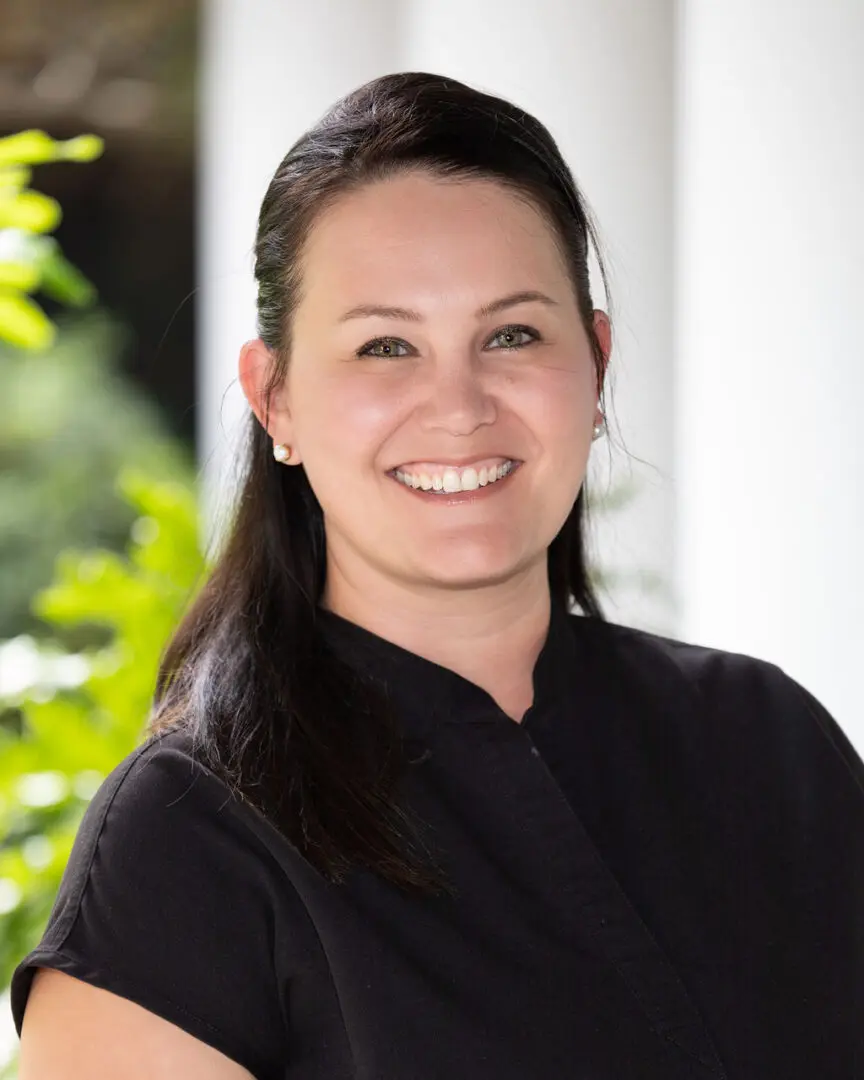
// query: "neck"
[[493, 642]]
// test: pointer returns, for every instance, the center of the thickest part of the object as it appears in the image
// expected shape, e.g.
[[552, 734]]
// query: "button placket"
[[598, 909]]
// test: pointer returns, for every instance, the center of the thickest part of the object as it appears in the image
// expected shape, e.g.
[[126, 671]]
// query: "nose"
[[458, 400]]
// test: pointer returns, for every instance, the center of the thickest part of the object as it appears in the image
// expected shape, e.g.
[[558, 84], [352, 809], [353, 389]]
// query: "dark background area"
[[124, 70]]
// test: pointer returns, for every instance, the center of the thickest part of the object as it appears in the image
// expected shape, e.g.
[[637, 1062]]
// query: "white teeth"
[[453, 480]]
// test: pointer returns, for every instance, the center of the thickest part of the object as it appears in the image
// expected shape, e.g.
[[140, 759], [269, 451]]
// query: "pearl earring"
[[281, 452], [600, 428]]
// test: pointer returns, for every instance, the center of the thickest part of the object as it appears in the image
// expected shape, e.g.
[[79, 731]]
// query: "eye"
[[387, 348], [511, 335]]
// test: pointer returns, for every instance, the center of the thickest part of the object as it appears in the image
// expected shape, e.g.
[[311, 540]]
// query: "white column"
[[599, 75], [269, 69], [770, 366]]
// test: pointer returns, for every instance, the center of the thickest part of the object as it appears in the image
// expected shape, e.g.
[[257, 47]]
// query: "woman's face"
[[437, 326]]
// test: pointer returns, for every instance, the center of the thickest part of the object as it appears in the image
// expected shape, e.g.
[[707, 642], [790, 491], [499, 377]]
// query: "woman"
[[402, 814]]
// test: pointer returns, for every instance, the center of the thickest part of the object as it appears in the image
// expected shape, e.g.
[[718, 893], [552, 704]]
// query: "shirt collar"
[[427, 695]]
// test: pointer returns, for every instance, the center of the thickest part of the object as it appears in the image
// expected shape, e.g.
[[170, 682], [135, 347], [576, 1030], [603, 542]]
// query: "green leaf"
[[30, 210], [22, 277], [82, 148], [35, 147], [64, 282], [37, 262], [14, 178], [27, 148], [23, 323]]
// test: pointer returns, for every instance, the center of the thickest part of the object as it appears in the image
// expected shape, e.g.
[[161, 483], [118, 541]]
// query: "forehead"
[[425, 233]]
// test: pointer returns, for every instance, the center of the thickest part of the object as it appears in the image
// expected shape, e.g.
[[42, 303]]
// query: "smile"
[[446, 479], [457, 485]]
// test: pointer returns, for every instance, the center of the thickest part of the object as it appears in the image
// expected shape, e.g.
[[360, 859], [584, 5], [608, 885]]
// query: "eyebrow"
[[529, 296]]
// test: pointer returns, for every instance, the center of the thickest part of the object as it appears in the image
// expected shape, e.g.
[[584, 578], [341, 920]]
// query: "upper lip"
[[456, 463]]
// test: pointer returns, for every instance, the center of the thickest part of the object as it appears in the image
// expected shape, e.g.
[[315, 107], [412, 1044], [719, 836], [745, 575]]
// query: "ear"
[[603, 330], [255, 368]]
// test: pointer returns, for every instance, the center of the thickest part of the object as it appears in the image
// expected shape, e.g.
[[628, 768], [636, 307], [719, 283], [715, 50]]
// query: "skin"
[[464, 586], [74, 1030]]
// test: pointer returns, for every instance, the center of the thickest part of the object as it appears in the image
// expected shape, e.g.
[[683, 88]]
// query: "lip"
[[454, 498], [455, 463]]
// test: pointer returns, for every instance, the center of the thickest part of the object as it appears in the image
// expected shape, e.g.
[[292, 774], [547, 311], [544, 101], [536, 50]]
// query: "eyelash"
[[513, 328]]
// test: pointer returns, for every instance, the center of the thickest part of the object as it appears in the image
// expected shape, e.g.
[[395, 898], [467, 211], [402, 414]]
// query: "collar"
[[427, 695]]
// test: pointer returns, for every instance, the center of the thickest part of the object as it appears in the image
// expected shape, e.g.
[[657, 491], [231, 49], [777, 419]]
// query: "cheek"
[[557, 406], [347, 419]]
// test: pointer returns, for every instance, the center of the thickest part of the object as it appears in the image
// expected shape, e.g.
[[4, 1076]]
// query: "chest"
[[612, 918]]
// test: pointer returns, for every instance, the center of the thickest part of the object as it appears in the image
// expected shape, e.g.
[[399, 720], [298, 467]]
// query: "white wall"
[[770, 364]]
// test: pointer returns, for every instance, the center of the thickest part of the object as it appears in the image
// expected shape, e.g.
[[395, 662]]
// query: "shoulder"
[[163, 784], [679, 672], [161, 831], [164, 770], [160, 764], [669, 660], [158, 796], [746, 700], [666, 664], [170, 899]]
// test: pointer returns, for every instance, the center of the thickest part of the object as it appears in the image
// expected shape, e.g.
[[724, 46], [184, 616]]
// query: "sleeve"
[[167, 901], [831, 730]]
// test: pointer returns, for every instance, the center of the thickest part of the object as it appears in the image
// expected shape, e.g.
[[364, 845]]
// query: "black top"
[[660, 875]]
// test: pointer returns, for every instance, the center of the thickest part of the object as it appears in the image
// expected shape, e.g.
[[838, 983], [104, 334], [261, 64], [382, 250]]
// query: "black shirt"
[[660, 874]]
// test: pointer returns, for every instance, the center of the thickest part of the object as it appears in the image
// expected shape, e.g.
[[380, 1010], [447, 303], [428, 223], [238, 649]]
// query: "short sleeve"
[[168, 900]]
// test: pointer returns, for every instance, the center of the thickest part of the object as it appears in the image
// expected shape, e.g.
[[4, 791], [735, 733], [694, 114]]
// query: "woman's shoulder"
[[749, 701], [162, 798], [160, 824], [169, 899], [667, 656], [162, 764], [160, 784], [701, 672], [165, 763]]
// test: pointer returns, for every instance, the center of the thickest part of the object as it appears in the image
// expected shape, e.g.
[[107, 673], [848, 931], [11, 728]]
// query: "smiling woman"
[[446, 378], [403, 812]]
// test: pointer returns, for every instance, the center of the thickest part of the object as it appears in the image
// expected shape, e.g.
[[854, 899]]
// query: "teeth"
[[453, 480]]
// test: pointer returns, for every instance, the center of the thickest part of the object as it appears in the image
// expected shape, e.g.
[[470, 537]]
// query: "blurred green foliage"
[[73, 735], [78, 670], [30, 260], [70, 422]]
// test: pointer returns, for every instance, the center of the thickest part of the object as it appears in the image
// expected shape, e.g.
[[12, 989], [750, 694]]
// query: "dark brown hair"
[[273, 712]]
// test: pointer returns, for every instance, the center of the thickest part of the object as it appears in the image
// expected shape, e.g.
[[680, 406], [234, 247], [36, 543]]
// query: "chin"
[[475, 569]]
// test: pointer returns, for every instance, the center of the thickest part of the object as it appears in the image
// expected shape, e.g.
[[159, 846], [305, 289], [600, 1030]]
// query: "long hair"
[[289, 727]]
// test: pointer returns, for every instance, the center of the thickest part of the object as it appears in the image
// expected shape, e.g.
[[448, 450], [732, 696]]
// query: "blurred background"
[[721, 149]]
